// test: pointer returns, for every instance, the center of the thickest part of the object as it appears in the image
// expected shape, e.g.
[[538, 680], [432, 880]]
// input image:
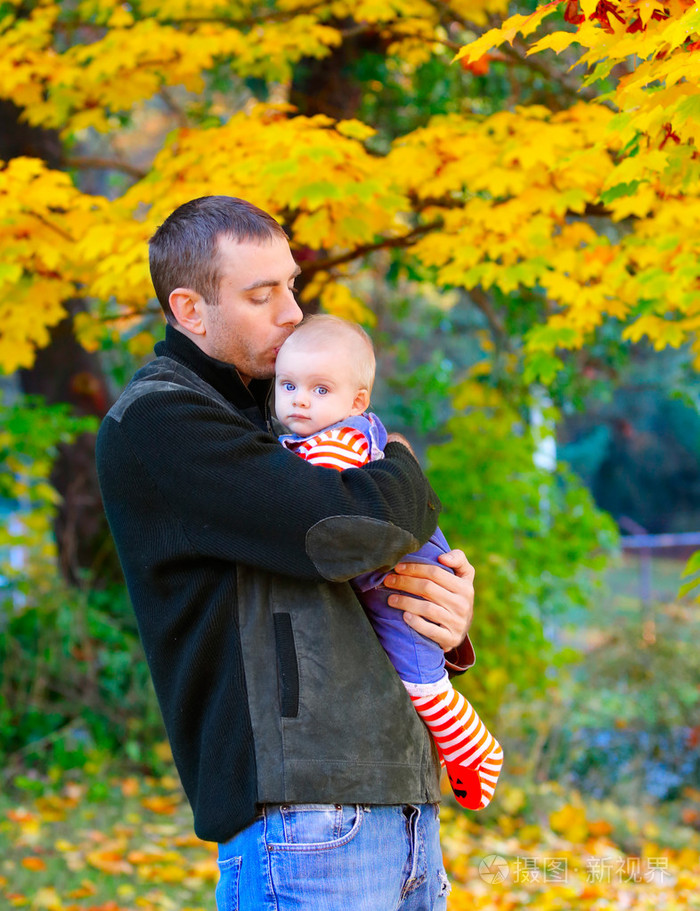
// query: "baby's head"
[[323, 374]]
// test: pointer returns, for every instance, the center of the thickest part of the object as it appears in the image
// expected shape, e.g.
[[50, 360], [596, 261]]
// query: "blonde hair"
[[322, 328]]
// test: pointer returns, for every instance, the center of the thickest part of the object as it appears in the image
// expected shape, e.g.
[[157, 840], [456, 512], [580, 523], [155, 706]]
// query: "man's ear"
[[361, 402], [186, 306]]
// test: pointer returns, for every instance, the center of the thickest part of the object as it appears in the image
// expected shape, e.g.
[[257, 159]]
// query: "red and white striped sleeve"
[[342, 447]]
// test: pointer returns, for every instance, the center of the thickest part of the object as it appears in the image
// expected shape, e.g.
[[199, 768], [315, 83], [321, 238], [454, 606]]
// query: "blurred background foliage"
[[582, 683]]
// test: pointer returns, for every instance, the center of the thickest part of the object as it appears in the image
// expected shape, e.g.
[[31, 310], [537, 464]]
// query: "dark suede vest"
[[273, 685]]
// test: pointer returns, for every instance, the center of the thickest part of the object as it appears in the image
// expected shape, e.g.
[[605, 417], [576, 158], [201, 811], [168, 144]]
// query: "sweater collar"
[[222, 376]]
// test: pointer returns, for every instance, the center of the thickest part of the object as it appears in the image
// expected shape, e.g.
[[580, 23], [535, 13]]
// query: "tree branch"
[[133, 313], [174, 108], [74, 22], [517, 53], [483, 302], [396, 33], [49, 224], [104, 164], [420, 203], [405, 240]]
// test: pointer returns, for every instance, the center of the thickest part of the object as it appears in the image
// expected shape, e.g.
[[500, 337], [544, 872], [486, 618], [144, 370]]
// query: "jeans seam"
[[417, 846], [338, 817], [268, 864], [316, 847], [445, 885], [299, 877], [230, 887]]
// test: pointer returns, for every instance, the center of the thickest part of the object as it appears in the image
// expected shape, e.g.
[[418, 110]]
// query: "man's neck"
[[199, 341]]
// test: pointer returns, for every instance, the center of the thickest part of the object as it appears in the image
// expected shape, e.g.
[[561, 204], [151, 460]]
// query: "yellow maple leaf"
[[355, 129], [46, 898], [570, 821], [557, 42], [110, 859], [638, 167], [338, 300], [163, 804]]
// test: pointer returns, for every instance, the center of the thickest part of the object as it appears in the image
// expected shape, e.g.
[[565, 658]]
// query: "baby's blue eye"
[[288, 387], [321, 390]]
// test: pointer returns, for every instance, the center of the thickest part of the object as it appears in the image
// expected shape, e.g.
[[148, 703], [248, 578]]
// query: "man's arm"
[[236, 494]]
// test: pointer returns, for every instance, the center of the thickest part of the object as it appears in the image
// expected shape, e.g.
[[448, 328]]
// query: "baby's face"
[[314, 389]]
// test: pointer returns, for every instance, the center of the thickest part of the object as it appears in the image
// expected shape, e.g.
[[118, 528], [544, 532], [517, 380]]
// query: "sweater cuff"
[[460, 659]]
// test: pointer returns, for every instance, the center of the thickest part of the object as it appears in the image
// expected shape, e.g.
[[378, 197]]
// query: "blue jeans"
[[325, 857]]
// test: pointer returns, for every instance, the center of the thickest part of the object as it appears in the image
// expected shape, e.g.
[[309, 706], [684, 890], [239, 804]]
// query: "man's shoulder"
[[163, 375]]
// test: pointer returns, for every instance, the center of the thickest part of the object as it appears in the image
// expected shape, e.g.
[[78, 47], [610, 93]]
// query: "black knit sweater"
[[236, 555]]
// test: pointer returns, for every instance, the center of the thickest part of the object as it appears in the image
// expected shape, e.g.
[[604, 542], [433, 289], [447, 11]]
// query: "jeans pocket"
[[227, 887], [312, 827]]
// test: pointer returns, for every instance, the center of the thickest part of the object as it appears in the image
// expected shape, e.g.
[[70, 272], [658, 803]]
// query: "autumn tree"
[[538, 172], [499, 202]]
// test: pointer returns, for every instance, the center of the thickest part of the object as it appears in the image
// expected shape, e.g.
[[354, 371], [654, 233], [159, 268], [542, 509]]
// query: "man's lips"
[[276, 349]]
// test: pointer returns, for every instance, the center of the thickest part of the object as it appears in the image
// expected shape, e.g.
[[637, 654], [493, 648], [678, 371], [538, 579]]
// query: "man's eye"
[[261, 300]]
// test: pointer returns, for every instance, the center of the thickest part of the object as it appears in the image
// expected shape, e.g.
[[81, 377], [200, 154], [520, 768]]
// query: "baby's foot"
[[466, 785]]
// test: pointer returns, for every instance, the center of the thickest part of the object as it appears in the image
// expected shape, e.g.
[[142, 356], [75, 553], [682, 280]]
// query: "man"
[[296, 743]]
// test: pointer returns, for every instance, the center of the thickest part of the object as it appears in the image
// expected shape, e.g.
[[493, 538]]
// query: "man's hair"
[[321, 329], [184, 251]]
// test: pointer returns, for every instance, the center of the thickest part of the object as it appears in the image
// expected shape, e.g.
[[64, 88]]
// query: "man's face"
[[257, 310], [316, 388]]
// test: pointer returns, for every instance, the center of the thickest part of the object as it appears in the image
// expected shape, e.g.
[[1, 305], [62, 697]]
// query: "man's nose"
[[290, 312]]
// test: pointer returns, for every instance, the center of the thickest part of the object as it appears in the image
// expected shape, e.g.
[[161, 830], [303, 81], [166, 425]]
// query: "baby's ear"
[[361, 403]]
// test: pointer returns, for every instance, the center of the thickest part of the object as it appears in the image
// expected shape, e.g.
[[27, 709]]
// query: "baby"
[[324, 377]]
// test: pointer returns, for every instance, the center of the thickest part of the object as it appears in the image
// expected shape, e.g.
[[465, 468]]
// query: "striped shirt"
[[339, 447]]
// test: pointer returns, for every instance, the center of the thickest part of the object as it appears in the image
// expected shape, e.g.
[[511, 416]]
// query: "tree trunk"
[[329, 86], [65, 372]]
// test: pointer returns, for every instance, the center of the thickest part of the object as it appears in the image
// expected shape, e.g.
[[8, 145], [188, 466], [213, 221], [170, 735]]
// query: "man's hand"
[[399, 438], [446, 613]]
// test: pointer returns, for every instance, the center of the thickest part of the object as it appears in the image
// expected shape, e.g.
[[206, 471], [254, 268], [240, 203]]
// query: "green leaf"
[[541, 367], [688, 109], [688, 587], [617, 192], [693, 565]]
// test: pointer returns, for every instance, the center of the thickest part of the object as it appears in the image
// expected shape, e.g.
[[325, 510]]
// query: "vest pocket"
[[287, 665]]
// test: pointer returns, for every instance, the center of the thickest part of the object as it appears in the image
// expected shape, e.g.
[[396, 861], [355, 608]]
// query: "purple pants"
[[416, 658]]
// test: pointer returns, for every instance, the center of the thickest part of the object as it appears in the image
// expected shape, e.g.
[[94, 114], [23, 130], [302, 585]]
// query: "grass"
[[119, 843], [103, 838], [126, 844]]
